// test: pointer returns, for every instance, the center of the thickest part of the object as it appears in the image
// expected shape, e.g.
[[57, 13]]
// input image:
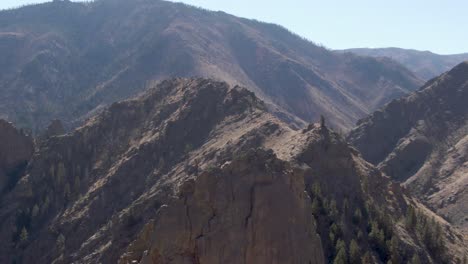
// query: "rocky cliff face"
[[196, 171], [251, 210], [66, 60], [16, 148], [421, 140]]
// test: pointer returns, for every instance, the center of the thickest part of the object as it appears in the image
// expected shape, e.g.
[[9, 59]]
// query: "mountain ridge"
[[425, 144], [425, 64], [68, 60], [173, 173]]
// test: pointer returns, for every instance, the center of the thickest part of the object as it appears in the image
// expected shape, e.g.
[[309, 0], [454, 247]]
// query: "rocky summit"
[[198, 171]]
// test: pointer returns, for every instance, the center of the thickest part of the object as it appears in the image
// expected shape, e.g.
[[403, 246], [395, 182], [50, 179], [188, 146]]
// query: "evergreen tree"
[[410, 219], [333, 209], [377, 239], [415, 259], [322, 121], [315, 207], [357, 216], [354, 252], [24, 235], [60, 242], [316, 190], [341, 255], [77, 184], [394, 250], [35, 211]]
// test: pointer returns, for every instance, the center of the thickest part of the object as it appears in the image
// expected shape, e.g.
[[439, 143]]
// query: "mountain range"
[[148, 131], [425, 64], [66, 60]]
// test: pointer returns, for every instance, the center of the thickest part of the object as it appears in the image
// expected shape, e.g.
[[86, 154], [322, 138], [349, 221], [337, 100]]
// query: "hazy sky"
[[436, 25]]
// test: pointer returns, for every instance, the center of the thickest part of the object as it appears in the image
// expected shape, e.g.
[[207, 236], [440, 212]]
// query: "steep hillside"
[[66, 60], [425, 64], [196, 171], [422, 141]]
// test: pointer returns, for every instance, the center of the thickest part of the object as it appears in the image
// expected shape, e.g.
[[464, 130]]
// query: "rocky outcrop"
[[252, 210], [16, 148], [420, 140]]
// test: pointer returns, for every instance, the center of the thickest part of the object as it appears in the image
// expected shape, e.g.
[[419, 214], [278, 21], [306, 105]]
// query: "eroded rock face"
[[16, 148], [252, 210], [421, 140]]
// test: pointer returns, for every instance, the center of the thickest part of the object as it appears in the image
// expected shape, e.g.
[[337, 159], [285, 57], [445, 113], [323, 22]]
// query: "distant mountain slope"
[[196, 171], [66, 60], [422, 140], [424, 64]]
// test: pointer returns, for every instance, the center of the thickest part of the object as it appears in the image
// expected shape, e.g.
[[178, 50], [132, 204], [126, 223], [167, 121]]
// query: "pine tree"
[[415, 259], [315, 207], [35, 211], [341, 255], [333, 209], [354, 252], [24, 235], [77, 184], [45, 205], [60, 241], [394, 250], [67, 191], [357, 216], [322, 121], [316, 190], [335, 229], [377, 239]]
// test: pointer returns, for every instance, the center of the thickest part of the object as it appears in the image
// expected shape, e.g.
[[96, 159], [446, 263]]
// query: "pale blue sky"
[[436, 25]]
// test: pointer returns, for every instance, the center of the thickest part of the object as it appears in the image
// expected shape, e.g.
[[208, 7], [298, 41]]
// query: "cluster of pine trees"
[[428, 231], [363, 233]]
